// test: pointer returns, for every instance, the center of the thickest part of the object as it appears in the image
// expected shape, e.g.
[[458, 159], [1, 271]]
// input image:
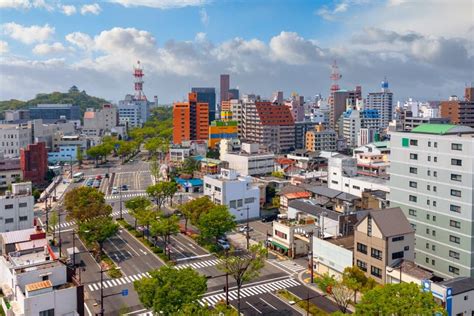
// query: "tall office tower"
[[190, 120], [382, 102], [268, 124], [432, 179], [207, 95], [277, 97], [460, 111], [234, 94], [225, 84]]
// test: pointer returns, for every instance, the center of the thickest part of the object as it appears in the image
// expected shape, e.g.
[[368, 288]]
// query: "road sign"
[[125, 292]]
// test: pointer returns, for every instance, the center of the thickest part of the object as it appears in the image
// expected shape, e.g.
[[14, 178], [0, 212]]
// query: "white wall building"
[[33, 280], [97, 123], [132, 112], [16, 208], [382, 102], [13, 137], [237, 192], [250, 160], [10, 171]]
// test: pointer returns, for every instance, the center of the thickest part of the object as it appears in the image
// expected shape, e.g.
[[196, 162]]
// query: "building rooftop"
[[390, 221], [442, 129], [38, 286], [460, 284], [311, 207], [346, 242], [19, 235], [412, 269], [291, 189], [297, 195]]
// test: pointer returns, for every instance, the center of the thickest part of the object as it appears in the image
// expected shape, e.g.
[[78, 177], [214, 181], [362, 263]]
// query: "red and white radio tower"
[[138, 74], [335, 76]]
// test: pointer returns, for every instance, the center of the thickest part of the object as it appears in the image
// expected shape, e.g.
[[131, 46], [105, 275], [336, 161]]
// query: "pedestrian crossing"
[[199, 264], [72, 223], [249, 291], [125, 195], [288, 265], [117, 282]]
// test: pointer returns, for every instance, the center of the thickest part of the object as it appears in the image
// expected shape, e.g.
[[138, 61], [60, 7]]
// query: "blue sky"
[[264, 45]]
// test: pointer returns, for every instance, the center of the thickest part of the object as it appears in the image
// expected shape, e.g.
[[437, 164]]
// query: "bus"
[[77, 177]]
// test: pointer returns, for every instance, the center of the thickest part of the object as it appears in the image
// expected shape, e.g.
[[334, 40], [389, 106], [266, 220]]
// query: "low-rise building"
[[45, 132], [14, 137], [332, 255], [100, 122], [286, 198], [381, 238], [34, 162], [237, 192], [10, 171], [321, 139], [333, 199], [250, 160], [61, 140], [33, 280], [16, 208]]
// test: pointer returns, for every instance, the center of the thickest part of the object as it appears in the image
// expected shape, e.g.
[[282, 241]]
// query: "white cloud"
[[161, 4], [48, 49], [292, 49], [341, 6], [28, 34], [68, 9], [3, 47], [204, 17], [91, 8], [25, 4], [81, 40]]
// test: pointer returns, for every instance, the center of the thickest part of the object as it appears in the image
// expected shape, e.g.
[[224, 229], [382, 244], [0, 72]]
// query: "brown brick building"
[[460, 111], [190, 120], [34, 162]]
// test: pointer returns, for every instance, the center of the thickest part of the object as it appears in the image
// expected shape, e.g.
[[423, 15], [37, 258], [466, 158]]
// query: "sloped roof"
[[297, 195], [460, 284], [291, 189], [441, 129], [390, 221]]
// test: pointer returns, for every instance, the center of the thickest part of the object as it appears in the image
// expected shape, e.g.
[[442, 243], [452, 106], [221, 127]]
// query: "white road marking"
[[254, 307], [268, 303]]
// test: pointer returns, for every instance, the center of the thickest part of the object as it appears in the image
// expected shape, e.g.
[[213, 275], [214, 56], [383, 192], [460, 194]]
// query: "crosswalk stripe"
[[117, 282]]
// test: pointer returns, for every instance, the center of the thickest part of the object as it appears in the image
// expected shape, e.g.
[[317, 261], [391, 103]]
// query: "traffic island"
[[303, 304]]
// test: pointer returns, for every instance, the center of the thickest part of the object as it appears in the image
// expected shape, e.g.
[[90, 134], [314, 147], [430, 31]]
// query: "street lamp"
[[248, 230], [311, 255], [102, 296], [120, 193]]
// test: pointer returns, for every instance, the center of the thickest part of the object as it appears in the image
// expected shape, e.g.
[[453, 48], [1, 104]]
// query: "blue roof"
[[189, 183]]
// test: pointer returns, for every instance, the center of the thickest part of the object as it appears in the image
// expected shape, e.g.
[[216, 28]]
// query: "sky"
[[425, 48]]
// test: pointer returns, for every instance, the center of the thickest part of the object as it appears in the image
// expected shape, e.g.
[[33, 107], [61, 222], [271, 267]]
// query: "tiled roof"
[[298, 195], [38, 285], [460, 284], [390, 221]]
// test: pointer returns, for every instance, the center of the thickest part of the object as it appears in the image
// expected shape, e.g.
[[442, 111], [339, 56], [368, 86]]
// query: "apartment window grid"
[[375, 253], [377, 272], [362, 248]]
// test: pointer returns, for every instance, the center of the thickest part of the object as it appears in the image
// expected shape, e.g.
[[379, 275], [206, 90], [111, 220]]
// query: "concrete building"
[[221, 130], [249, 161], [382, 102], [207, 95], [44, 132], [71, 141], [431, 180], [301, 128], [460, 112], [54, 112], [190, 120], [34, 281], [410, 122], [17, 116], [100, 122], [234, 94], [321, 139], [268, 124], [34, 162], [16, 208], [332, 255], [296, 106], [355, 119], [338, 103], [367, 135], [381, 238], [224, 87], [10, 171], [133, 112], [14, 137], [237, 192]]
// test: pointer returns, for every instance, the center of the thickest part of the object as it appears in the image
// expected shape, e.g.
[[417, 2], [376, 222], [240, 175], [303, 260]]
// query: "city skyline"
[[52, 45]]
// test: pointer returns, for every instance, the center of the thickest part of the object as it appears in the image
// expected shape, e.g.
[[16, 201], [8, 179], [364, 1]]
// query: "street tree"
[[94, 153], [79, 156], [85, 203], [193, 209], [165, 226], [169, 291], [160, 191], [135, 205], [356, 280], [216, 222], [190, 165], [334, 288], [97, 230], [145, 217], [244, 268], [397, 300], [155, 169], [53, 220]]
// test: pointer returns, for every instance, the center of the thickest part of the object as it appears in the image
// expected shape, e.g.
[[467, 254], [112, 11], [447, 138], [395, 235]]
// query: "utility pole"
[[248, 230], [227, 281], [74, 250], [59, 232], [311, 256], [120, 191]]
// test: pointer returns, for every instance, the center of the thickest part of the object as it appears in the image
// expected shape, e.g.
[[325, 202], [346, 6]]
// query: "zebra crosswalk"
[[288, 265], [72, 223], [250, 291], [125, 195], [119, 281], [199, 264]]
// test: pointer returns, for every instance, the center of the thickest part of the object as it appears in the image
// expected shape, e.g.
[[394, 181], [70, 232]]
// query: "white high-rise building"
[[133, 112], [13, 137], [16, 208], [383, 103]]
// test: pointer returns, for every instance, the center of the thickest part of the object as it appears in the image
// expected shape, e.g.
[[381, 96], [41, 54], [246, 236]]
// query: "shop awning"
[[279, 245]]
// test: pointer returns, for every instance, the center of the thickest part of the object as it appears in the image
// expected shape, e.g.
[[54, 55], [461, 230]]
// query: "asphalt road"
[[265, 304]]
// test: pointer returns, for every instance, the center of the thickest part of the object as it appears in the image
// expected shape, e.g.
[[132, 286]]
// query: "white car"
[[223, 244], [244, 228], [115, 190]]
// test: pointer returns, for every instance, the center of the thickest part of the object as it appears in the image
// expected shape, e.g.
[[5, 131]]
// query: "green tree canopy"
[[85, 203], [169, 290], [356, 280], [160, 191], [193, 209], [336, 289], [216, 222], [137, 204], [97, 230], [398, 300], [190, 165]]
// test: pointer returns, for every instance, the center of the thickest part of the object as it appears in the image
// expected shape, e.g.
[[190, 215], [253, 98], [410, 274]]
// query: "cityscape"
[[307, 158]]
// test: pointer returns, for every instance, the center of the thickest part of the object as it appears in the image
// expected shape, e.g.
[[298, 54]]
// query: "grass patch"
[[111, 267], [303, 304]]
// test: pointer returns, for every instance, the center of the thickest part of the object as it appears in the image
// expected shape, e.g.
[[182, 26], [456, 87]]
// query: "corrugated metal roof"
[[441, 129], [17, 235], [38, 285]]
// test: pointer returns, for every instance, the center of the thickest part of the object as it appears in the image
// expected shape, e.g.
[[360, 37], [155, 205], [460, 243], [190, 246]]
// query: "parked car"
[[124, 187], [245, 228], [96, 184], [115, 190], [269, 218], [223, 244], [98, 177]]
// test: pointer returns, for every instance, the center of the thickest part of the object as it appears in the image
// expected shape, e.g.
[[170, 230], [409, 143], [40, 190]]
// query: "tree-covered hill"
[[73, 96]]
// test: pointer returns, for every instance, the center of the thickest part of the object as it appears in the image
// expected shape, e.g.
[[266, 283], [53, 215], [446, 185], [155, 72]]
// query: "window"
[[375, 253], [45, 277], [427, 231], [414, 156], [433, 247], [427, 260], [433, 232], [427, 216], [49, 312], [249, 200], [413, 184], [397, 255], [428, 173], [398, 238], [455, 224], [454, 239], [456, 162], [240, 203], [8, 220], [356, 187], [429, 158], [361, 248], [435, 159], [280, 234], [376, 272], [405, 142], [8, 206], [429, 144], [434, 218], [434, 203], [434, 188], [454, 270], [435, 145], [23, 218], [23, 204], [433, 262], [456, 177], [413, 198], [428, 202], [413, 142], [208, 185], [427, 246], [456, 193], [233, 204], [362, 265], [455, 208], [412, 212], [456, 146], [435, 174], [454, 254], [413, 170]]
